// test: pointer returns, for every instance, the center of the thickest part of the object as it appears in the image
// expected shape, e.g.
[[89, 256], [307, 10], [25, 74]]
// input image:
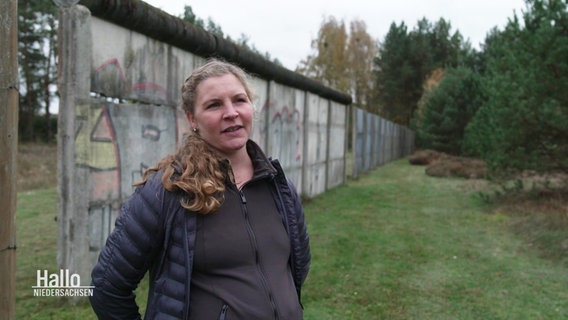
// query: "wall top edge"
[[141, 17]]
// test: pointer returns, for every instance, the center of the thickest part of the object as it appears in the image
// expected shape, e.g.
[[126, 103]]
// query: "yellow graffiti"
[[95, 153]]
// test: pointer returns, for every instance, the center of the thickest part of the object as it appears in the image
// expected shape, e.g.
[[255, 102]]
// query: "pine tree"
[[395, 74], [524, 124], [449, 109], [407, 58], [37, 39]]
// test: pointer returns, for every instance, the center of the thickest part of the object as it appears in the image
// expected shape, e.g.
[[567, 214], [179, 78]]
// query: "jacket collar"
[[261, 163]]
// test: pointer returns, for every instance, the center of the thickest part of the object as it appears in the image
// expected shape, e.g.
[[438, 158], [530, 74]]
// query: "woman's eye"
[[213, 105]]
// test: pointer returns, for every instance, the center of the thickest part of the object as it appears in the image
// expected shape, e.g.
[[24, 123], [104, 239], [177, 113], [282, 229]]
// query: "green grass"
[[394, 244], [36, 238], [397, 244]]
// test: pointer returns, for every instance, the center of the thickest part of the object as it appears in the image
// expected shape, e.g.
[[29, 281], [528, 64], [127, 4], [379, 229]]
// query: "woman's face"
[[223, 113]]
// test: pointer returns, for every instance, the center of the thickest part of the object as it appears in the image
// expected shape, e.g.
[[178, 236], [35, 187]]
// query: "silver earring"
[[195, 130]]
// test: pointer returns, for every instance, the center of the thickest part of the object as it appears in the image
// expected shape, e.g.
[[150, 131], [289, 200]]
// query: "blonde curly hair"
[[196, 168]]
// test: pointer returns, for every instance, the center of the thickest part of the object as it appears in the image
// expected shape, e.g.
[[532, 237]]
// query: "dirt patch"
[[536, 203], [544, 201], [541, 218], [440, 164]]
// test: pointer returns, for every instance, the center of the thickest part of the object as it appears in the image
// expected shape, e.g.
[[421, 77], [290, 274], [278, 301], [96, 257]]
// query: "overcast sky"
[[285, 29]]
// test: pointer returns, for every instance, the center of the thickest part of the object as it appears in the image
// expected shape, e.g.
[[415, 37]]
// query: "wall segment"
[[122, 64]]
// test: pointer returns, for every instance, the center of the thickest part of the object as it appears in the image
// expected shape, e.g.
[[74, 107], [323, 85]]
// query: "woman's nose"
[[230, 112]]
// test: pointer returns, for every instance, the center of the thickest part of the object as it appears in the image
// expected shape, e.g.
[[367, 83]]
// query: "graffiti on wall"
[[116, 142], [286, 133]]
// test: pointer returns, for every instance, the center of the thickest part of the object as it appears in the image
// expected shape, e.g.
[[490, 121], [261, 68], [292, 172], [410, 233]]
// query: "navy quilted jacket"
[[154, 233]]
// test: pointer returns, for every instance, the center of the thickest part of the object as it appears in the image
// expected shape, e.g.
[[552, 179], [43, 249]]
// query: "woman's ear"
[[191, 120]]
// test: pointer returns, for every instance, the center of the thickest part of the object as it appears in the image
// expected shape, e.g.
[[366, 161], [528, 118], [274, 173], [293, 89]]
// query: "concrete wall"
[[337, 144], [284, 112], [119, 114], [377, 141]]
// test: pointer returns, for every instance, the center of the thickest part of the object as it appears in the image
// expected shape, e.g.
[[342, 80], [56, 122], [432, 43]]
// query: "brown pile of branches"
[[439, 164]]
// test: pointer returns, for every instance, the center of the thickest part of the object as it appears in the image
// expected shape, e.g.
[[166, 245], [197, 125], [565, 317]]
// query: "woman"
[[217, 224]]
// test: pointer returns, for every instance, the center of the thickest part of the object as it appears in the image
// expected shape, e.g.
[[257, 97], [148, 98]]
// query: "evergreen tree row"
[[511, 107]]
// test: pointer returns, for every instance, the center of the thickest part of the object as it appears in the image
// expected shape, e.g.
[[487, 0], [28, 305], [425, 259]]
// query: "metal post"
[[8, 150]]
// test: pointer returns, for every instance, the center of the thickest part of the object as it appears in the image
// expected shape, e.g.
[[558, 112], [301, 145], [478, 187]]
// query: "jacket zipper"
[[257, 257], [223, 312]]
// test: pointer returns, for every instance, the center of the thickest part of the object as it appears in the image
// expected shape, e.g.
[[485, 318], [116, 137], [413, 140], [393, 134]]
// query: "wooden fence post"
[[8, 151]]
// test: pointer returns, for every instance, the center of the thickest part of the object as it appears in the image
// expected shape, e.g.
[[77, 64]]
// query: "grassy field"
[[398, 244], [394, 244]]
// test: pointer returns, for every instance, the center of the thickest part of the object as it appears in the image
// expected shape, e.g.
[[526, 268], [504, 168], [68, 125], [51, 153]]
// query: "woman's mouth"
[[232, 129]]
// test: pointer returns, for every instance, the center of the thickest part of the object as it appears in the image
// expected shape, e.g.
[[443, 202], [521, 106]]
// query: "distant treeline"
[[505, 103]]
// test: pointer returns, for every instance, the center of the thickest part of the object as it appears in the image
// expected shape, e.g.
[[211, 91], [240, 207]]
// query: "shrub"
[[524, 124], [448, 110]]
